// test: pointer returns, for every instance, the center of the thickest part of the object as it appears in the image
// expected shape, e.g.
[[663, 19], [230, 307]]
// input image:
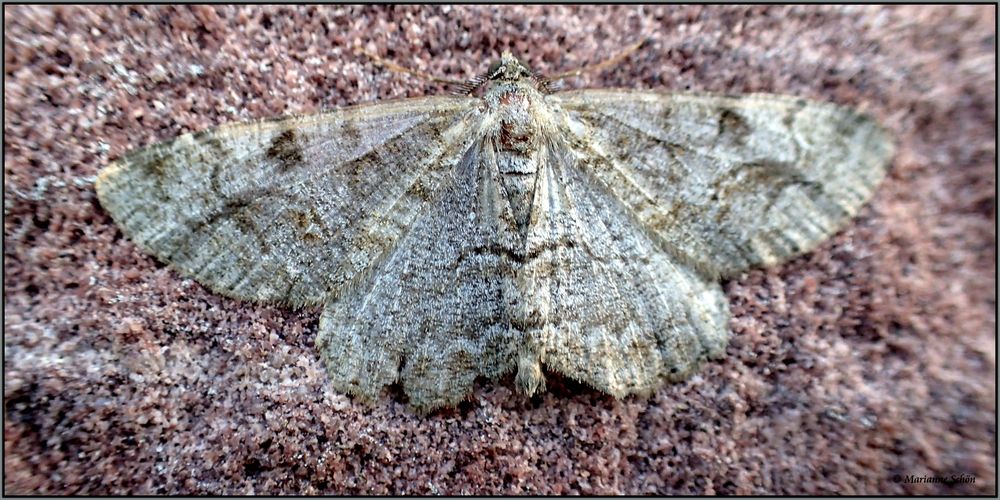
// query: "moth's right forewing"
[[728, 182], [291, 210]]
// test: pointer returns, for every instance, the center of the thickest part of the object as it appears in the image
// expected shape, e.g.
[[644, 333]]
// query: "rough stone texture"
[[872, 357]]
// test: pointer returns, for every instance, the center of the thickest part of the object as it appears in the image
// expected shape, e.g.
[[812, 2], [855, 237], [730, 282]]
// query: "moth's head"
[[508, 71], [508, 68]]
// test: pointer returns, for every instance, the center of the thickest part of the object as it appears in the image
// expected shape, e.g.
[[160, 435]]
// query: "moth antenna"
[[546, 86], [468, 87], [600, 66], [391, 66]]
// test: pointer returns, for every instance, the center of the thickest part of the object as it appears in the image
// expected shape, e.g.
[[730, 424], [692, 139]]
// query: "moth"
[[521, 230]]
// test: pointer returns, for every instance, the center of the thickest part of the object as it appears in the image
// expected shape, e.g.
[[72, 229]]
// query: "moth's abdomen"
[[518, 175]]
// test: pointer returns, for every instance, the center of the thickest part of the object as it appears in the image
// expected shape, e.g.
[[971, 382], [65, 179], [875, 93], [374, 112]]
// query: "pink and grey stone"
[[868, 359]]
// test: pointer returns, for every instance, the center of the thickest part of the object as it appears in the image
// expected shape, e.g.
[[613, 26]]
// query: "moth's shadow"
[[563, 387], [503, 393]]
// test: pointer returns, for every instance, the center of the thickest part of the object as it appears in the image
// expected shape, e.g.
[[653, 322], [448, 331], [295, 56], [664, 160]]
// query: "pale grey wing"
[[289, 210], [432, 316], [729, 182], [619, 313]]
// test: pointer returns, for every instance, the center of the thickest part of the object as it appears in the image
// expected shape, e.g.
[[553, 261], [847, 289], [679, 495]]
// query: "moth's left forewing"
[[728, 182], [291, 210]]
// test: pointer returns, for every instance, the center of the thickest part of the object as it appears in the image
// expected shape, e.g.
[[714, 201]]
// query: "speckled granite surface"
[[870, 359]]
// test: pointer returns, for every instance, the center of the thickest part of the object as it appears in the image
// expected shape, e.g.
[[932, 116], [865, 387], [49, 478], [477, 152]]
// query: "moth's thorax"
[[517, 122], [517, 115]]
